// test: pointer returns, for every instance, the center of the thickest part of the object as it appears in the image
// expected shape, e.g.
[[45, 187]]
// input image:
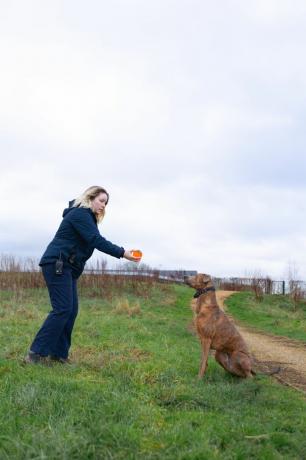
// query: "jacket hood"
[[66, 210]]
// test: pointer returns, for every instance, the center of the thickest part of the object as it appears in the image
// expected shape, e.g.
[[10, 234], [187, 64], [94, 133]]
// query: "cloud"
[[277, 13], [190, 113]]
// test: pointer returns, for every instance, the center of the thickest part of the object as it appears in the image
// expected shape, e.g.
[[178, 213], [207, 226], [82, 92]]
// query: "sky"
[[191, 114]]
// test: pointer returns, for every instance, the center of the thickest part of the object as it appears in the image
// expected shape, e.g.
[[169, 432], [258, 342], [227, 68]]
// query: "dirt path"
[[274, 353]]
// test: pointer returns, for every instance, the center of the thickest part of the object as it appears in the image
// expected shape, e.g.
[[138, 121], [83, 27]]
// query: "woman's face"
[[98, 204]]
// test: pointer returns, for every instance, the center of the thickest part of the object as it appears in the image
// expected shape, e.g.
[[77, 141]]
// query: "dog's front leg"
[[205, 350]]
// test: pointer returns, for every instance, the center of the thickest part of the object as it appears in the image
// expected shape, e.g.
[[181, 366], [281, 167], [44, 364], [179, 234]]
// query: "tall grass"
[[19, 274]]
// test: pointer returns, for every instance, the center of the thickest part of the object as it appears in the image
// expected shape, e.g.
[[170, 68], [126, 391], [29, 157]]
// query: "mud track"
[[284, 358]]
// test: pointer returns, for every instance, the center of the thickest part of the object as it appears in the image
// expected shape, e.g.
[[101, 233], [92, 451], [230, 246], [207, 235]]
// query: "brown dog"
[[216, 331]]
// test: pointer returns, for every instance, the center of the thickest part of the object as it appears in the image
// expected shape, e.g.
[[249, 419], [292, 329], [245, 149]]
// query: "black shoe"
[[35, 358], [60, 360]]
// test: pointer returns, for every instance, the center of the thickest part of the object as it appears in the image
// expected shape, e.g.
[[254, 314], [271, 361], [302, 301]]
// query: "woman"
[[62, 264]]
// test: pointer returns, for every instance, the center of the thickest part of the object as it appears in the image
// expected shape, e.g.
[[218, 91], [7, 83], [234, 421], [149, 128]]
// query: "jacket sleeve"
[[84, 225]]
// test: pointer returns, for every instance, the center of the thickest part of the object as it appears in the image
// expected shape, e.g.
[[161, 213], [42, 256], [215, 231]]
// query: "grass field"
[[276, 314], [132, 392]]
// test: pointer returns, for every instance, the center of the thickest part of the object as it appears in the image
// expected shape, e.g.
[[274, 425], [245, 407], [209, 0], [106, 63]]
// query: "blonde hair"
[[85, 199]]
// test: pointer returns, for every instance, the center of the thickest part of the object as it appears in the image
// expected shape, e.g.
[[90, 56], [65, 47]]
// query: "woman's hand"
[[129, 256]]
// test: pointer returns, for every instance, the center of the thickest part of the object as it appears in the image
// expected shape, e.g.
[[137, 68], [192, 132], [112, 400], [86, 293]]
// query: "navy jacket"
[[76, 239]]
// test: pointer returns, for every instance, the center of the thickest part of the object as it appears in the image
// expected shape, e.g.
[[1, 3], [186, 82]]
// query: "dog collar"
[[203, 291]]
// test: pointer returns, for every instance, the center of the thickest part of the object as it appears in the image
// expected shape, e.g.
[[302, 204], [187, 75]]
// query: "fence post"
[[268, 283], [284, 288]]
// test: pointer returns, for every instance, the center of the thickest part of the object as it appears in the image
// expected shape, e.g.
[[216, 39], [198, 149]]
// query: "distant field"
[[132, 392], [276, 314]]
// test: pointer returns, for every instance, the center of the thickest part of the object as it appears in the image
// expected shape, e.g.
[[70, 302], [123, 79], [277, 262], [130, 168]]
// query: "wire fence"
[[266, 285], [174, 276]]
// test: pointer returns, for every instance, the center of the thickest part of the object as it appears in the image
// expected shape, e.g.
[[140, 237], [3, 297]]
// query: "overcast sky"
[[191, 113]]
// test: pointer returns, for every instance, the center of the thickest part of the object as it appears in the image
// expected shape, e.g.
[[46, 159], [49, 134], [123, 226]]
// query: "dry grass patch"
[[123, 307], [8, 311]]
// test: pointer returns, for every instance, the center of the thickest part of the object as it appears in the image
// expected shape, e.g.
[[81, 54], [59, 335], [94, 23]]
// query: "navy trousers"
[[54, 336]]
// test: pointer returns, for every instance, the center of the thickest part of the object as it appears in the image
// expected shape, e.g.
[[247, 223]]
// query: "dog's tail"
[[276, 370]]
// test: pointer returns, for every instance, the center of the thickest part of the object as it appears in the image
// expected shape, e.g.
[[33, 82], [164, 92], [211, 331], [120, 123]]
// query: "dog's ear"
[[206, 278]]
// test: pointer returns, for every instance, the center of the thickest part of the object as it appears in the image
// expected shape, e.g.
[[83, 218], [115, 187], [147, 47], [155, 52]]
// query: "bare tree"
[[296, 291]]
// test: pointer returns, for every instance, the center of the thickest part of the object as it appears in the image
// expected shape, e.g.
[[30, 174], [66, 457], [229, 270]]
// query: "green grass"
[[133, 392], [276, 314]]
